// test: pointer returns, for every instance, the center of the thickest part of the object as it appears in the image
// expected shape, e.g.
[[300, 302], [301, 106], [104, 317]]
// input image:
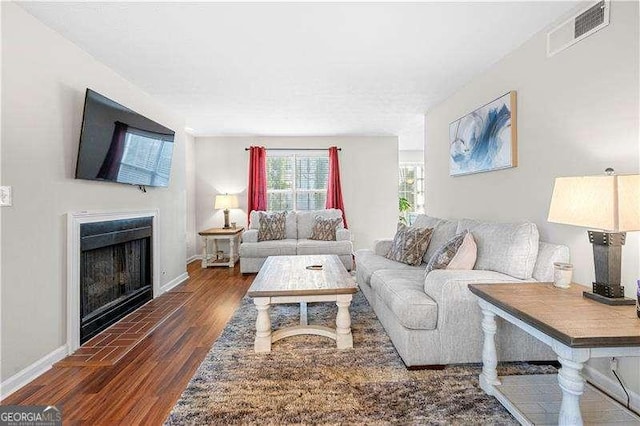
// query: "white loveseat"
[[298, 226], [435, 320]]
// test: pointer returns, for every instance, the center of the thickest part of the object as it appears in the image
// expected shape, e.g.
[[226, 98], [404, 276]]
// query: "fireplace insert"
[[115, 271]]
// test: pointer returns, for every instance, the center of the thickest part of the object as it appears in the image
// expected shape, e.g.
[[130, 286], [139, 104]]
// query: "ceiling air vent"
[[579, 26]]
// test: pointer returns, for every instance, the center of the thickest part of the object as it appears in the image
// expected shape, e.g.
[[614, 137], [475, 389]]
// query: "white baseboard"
[[30, 373], [611, 387], [34, 370], [193, 258], [174, 282]]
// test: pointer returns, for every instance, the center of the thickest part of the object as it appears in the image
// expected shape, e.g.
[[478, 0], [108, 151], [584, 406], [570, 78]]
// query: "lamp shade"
[[226, 201], [610, 203]]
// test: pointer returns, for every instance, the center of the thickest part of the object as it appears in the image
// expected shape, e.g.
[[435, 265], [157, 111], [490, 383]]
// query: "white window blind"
[[297, 181]]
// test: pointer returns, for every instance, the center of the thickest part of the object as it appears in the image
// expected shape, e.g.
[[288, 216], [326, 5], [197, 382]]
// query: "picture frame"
[[485, 139]]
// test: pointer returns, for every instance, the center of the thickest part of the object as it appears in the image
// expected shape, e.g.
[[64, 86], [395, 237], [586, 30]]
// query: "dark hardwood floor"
[[144, 385]]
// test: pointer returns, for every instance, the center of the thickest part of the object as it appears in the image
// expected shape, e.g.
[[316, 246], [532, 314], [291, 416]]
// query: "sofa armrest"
[[250, 236], [382, 247], [449, 289], [343, 234], [459, 319]]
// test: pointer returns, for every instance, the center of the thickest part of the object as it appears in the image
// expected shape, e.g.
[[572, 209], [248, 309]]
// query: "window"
[[411, 186], [297, 181], [146, 159]]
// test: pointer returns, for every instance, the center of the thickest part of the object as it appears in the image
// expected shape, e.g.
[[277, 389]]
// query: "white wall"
[[368, 170], [44, 78], [190, 172], [577, 115], [410, 156]]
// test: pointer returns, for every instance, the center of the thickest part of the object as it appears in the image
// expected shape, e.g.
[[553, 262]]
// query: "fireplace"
[[116, 277], [89, 237]]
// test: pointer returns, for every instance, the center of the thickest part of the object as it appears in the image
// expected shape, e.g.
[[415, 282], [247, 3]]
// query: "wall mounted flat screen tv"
[[120, 145]]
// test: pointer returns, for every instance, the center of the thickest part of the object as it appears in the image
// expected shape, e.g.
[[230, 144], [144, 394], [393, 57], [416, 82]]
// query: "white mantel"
[[74, 220]]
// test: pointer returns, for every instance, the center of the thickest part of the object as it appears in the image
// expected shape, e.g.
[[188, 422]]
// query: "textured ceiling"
[[304, 68]]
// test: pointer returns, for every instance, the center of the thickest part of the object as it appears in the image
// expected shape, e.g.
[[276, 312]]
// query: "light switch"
[[5, 196]]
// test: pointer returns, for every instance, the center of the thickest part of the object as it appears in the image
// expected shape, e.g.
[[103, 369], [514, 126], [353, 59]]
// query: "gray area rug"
[[305, 380]]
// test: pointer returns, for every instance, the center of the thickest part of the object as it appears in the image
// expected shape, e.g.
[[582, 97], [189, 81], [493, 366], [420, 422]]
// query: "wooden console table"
[[577, 329], [217, 234]]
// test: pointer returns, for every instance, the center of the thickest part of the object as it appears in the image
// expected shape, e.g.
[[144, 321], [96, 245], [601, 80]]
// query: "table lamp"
[[226, 202], [610, 205]]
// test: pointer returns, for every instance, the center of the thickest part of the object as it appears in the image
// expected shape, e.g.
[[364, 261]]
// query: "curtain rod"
[[296, 149]]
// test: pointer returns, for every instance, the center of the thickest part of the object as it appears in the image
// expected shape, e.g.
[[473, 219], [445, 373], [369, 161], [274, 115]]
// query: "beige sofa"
[[435, 320], [298, 226]]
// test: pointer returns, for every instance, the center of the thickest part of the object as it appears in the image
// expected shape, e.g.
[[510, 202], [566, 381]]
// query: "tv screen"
[[120, 145]]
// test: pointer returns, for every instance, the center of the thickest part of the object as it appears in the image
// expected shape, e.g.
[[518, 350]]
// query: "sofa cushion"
[[443, 231], [448, 252], [306, 220], [403, 293], [343, 234], [547, 254], [324, 229], [424, 221], [367, 262], [509, 248], [409, 244], [268, 248], [272, 226], [290, 226], [324, 247]]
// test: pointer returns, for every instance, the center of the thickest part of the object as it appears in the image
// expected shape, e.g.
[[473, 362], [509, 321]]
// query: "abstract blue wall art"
[[485, 139]]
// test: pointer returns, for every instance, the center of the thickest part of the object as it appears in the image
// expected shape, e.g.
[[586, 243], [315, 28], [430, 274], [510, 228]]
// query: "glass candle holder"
[[562, 274]]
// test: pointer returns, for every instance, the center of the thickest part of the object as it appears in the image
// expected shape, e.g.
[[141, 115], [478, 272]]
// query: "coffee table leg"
[[303, 314], [344, 338], [263, 325], [489, 375]]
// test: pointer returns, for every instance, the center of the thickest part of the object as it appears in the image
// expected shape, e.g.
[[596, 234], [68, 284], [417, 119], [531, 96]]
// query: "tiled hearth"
[[116, 341]]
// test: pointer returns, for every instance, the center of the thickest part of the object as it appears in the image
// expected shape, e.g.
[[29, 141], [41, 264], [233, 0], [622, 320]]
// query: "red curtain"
[[334, 188], [257, 179]]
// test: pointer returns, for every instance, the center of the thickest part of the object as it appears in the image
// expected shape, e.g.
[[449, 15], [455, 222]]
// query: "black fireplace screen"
[[115, 272]]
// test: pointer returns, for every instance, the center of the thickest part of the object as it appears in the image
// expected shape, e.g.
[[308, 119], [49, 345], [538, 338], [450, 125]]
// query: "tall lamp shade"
[[226, 202], [610, 206], [610, 203]]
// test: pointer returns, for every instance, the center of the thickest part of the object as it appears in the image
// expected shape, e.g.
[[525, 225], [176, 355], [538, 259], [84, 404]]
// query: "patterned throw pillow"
[[409, 244], [272, 226], [458, 253], [325, 229]]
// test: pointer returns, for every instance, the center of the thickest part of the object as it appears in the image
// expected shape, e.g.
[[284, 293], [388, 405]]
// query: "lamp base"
[[226, 219], [607, 257], [614, 301], [610, 291]]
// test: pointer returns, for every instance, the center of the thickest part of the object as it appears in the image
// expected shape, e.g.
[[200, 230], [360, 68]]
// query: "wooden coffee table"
[[577, 329], [286, 279]]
